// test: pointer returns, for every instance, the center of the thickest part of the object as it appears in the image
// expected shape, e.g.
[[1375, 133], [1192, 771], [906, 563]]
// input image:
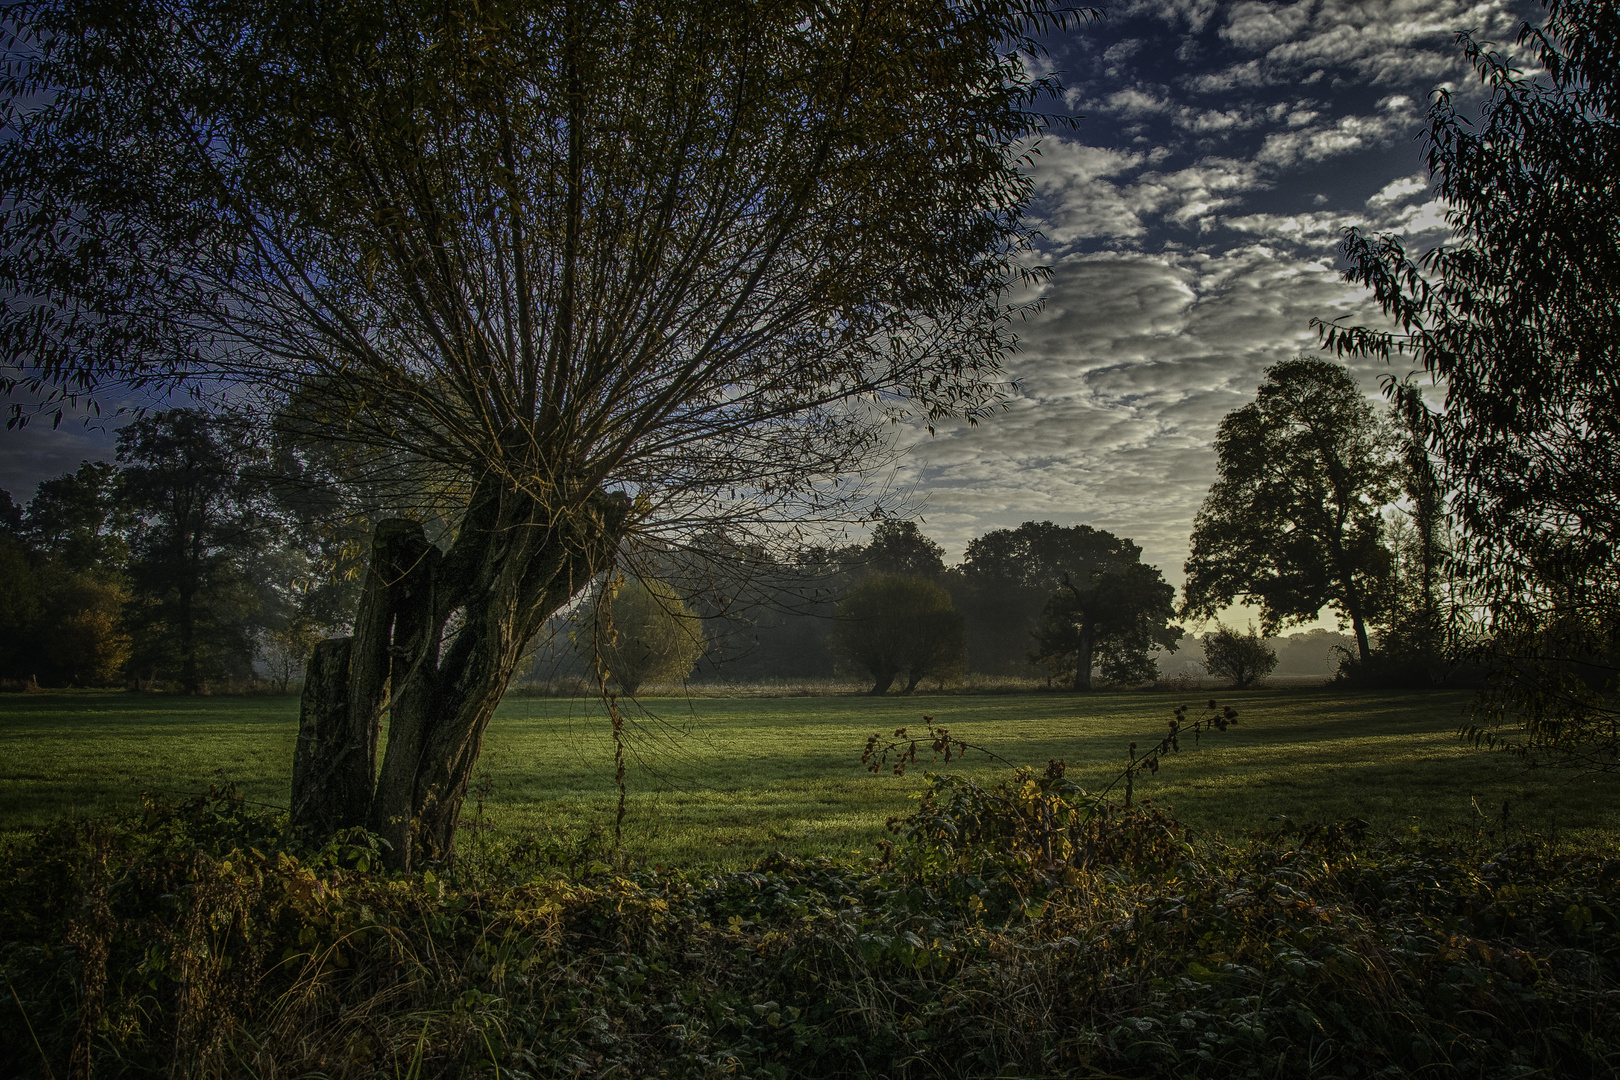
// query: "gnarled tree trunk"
[[436, 639]]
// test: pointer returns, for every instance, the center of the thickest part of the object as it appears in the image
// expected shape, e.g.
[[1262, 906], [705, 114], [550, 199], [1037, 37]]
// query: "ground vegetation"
[[1018, 924]]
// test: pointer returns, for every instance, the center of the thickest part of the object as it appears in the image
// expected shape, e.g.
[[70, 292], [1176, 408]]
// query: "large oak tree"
[[594, 269], [1294, 522]]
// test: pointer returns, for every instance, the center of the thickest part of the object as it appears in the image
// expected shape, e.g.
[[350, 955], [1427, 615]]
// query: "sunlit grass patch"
[[725, 780]]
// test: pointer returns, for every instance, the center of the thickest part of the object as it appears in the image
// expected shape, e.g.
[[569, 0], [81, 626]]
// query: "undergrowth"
[[1021, 929]]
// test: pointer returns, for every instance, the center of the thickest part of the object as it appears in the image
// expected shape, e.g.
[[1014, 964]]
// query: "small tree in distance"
[[900, 623], [644, 633], [1243, 658]]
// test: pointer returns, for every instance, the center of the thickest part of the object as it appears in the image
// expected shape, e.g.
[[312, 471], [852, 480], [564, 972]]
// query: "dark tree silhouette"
[[1294, 520], [1519, 316], [899, 547], [1008, 575], [897, 623], [1109, 613]]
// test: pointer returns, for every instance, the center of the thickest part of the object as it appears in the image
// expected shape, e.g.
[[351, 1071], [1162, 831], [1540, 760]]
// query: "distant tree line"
[[198, 561], [208, 557]]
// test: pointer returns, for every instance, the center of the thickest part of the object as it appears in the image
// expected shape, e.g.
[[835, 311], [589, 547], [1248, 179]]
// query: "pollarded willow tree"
[[596, 270]]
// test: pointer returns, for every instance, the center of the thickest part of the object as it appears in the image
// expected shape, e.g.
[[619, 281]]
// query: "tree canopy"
[[1518, 317], [1294, 519], [593, 272], [643, 632], [1008, 575], [894, 623], [1241, 657], [1109, 612]]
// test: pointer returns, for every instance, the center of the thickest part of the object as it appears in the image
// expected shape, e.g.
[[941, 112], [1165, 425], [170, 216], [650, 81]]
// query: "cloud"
[[1256, 26], [1399, 190], [1347, 135], [1076, 199], [1123, 379]]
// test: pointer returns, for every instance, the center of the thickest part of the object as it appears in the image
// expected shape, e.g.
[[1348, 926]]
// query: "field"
[[724, 780], [1017, 936]]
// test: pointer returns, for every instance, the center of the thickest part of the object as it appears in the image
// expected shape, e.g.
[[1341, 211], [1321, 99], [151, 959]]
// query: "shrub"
[[1023, 928], [1243, 658], [644, 633]]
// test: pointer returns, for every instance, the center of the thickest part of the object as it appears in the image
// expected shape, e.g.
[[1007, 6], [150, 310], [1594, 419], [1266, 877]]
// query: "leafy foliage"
[[643, 632], [1294, 521], [899, 547], [999, 936], [1518, 317], [899, 623], [1110, 614], [1243, 658]]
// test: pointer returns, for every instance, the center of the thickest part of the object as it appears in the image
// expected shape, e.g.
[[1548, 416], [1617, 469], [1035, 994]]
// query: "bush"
[[1243, 658], [1025, 928], [644, 633]]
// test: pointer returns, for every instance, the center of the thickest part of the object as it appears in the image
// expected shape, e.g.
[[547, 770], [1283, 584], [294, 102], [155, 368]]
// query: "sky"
[[1190, 221]]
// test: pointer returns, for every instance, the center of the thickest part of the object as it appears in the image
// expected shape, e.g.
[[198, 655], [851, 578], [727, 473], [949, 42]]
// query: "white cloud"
[[1256, 26], [1399, 190], [1346, 135], [1124, 377]]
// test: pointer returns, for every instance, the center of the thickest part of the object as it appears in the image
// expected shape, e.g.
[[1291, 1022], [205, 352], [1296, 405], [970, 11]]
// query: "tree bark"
[[512, 565], [1082, 663], [884, 680], [331, 786]]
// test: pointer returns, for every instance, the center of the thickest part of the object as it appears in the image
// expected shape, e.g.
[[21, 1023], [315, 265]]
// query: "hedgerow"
[[1021, 929]]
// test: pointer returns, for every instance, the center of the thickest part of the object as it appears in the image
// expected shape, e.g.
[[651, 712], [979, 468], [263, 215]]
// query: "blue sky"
[[1190, 220]]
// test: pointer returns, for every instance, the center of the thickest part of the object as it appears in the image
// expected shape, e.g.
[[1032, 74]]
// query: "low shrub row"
[[1025, 929]]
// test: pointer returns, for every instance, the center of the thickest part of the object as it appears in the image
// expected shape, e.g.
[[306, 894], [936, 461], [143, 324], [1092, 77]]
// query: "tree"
[[1011, 581], [82, 634], [183, 477], [1008, 576], [1518, 317], [598, 273], [286, 648], [1294, 521], [1110, 614], [65, 591], [643, 633], [900, 623], [1243, 658], [899, 547], [81, 520]]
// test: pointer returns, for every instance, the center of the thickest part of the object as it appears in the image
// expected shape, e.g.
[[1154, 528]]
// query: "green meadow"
[[723, 780]]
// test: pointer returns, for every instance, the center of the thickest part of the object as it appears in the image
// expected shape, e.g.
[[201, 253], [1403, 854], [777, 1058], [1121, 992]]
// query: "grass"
[[724, 780]]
